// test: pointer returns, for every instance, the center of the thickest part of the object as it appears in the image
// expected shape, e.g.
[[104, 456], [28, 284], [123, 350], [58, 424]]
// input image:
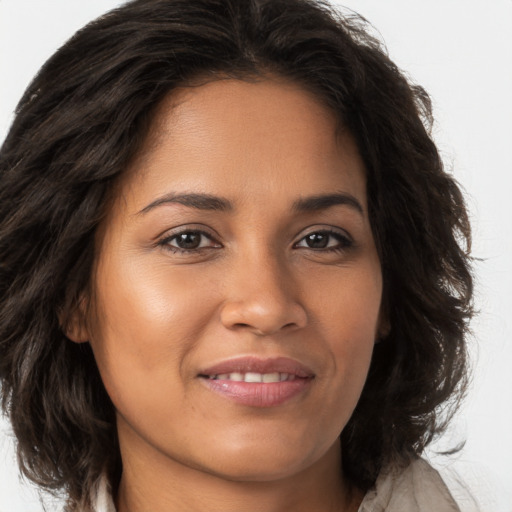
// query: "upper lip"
[[254, 364]]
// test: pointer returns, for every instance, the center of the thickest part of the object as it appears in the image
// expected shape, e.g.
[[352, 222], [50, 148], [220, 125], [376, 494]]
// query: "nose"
[[262, 297]]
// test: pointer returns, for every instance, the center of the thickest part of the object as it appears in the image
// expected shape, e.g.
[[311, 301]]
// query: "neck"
[[162, 484]]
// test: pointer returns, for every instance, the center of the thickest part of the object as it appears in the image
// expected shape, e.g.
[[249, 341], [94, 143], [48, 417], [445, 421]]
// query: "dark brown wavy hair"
[[83, 119]]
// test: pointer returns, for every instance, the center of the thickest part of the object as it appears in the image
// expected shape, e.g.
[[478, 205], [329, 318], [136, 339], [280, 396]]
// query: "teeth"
[[253, 377], [270, 377]]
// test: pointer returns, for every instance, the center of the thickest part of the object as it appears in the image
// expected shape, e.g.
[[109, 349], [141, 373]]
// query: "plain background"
[[461, 52]]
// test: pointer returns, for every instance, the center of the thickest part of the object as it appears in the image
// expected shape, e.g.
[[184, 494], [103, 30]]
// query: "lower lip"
[[257, 394]]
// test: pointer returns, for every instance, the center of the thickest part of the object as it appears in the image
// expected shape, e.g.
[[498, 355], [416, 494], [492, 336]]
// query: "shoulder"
[[416, 488]]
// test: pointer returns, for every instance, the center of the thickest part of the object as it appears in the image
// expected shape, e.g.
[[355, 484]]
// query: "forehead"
[[238, 138]]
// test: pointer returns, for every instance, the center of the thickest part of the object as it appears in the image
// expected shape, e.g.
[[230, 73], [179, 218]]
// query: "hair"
[[85, 116]]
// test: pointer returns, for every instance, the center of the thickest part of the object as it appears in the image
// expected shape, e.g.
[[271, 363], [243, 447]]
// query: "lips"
[[258, 382], [244, 365]]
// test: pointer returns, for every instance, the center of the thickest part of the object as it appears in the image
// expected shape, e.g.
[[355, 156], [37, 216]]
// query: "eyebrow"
[[198, 201], [210, 202], [324, 201]]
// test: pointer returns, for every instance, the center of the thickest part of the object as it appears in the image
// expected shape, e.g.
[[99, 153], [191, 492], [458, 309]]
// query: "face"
[[237, 284]]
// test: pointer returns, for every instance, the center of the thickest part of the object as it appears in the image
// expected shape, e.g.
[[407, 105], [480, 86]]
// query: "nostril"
[[262, 331], [262, 316]]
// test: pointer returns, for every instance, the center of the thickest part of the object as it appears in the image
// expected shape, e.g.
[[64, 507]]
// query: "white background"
[[461, 51]]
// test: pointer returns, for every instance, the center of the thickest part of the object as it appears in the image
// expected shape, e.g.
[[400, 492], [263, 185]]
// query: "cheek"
[[347, 303], [347, 314], [148, 323]]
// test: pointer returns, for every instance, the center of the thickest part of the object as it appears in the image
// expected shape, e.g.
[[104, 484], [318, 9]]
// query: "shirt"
[[417, 488]]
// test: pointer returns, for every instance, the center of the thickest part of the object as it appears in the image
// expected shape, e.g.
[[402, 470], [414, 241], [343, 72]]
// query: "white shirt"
[[418, 488]]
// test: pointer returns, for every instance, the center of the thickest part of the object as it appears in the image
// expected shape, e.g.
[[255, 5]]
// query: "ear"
[[383, 326], [73, 322]]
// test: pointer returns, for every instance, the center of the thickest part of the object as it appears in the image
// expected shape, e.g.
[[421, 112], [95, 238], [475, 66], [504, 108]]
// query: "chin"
[[264, 463], [266, 471]]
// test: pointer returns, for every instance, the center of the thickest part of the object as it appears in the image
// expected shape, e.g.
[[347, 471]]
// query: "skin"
[[254, 287]]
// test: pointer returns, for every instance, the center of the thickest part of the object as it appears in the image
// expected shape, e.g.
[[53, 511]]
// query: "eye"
[[328, 240], [188, 241]]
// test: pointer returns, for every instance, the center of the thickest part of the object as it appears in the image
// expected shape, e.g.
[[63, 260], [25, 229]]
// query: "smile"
[[254, 377], [257, 382]]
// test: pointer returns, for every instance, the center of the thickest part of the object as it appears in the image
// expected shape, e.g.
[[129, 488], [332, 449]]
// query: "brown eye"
[[325, 239], [188, 241], [317, 240]]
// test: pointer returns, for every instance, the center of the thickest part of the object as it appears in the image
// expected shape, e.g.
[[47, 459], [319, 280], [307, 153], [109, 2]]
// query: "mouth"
[[253, 377], [258, 382]]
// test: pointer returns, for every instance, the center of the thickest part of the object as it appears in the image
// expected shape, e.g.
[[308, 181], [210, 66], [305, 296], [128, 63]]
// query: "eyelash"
[[344, 241]]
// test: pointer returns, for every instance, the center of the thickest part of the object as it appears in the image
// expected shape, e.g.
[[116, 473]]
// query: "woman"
[[234, 273]]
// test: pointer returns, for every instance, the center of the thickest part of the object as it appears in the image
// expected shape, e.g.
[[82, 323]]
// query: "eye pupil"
[[317, 240], [188, 240]]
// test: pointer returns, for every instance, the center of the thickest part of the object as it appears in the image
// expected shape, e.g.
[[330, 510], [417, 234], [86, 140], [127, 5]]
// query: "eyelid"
[[325, 229], [199, 228]]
